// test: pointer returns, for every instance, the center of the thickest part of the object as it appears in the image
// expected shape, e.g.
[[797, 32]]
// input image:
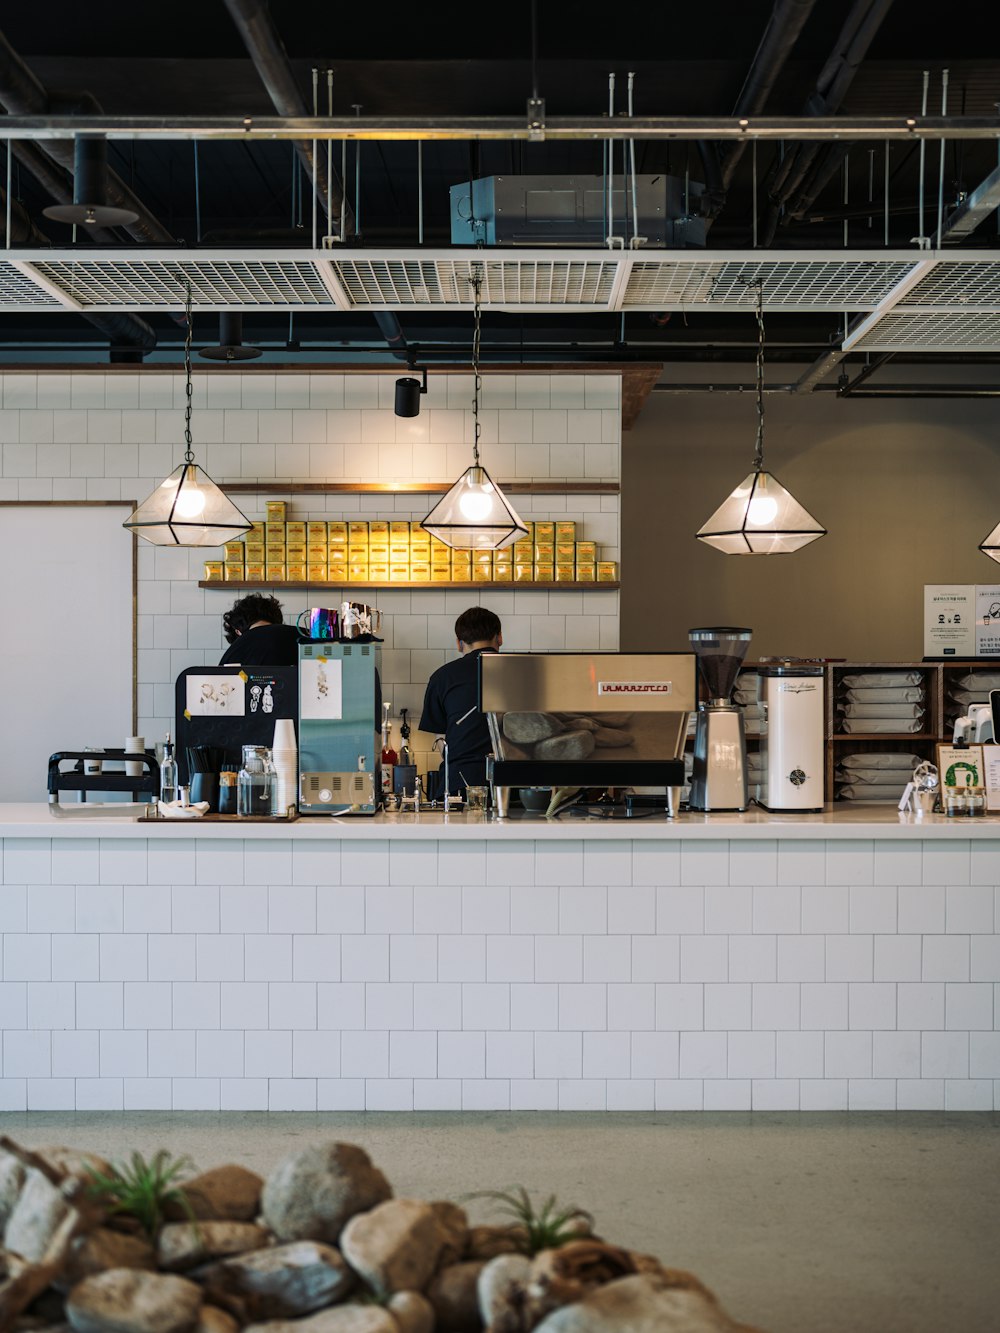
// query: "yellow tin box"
[[607, 571], [379, 551], [482, 573], [357, 570], [274, 532], [255, 552], [566, 530], [275, 510], [337, 573], [440, 574], [255, 574], [336, 530], [586, 551], [565, 573], [524, 573], [586, 572], [317, 572], [213, 571], [545, 553], [565, 553], [378, 527], [275, 573], [357, 530], [399, 573], [420, 572], [256, 532], [378, 573], [234, 550], [295, 573], [295, 532], [544, 573], [234, 573], [316, 530], [545, 531], [399, 530]]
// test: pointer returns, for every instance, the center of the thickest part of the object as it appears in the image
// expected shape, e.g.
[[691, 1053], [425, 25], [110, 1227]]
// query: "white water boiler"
[[791, 746]]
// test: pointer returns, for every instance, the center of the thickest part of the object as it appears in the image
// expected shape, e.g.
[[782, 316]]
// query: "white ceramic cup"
[[135, 745]]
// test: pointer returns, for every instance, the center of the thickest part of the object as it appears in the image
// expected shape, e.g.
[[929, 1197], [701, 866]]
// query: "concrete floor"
[[801, 1224]]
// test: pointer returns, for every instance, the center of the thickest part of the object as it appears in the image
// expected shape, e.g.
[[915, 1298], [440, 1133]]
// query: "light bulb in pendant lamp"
[[475, 513], [760, 517]]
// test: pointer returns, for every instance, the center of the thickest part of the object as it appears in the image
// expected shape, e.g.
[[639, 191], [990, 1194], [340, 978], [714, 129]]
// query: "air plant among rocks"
[[321, 1246]]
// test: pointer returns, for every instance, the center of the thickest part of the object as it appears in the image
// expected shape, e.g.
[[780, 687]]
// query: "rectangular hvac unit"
[[573, 210]]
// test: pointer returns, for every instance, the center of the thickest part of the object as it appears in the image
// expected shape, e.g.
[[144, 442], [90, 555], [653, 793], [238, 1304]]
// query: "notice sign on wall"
[[950, 620], [987, 621]]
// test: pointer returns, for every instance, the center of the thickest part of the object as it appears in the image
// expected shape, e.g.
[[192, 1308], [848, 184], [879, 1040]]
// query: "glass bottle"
[[255, 786], [168, 773], [389, 756]]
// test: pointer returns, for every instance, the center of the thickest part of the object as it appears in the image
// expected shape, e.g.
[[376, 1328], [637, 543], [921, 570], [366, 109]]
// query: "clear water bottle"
[[256, 786], [168, 773]]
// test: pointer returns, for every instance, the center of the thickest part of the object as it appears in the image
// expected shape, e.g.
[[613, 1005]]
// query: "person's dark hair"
[[477, 625], [247, 611]]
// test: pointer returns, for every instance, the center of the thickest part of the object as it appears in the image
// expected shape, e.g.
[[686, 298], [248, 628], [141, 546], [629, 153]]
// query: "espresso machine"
[[719, 774]]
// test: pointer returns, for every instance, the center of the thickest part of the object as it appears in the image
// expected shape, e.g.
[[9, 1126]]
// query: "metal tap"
[[447, 785]]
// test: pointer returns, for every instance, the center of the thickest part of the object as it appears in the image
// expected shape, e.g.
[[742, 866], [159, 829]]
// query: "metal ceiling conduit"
[[262, 40], [800, 175], [24, 95], [787, 20]]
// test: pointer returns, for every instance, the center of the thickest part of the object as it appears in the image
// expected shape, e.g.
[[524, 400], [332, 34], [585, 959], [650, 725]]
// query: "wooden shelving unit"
[[419, 587]]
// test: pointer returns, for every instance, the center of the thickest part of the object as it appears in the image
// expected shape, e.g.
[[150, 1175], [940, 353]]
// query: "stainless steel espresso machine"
[[719, 774]]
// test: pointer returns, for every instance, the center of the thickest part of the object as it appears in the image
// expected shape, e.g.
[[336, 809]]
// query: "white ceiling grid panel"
[[937, 299]]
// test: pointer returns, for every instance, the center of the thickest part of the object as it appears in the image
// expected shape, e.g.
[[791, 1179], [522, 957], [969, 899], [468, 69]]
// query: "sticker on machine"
[[635, 687], [320, 689], [215, 696]]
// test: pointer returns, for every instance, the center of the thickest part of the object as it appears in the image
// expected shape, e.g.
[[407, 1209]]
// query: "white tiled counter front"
[[748, 963]]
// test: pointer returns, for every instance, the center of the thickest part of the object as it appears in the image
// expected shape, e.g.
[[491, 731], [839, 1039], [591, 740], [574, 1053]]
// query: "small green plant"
[[544, 1228], [142, 1189]]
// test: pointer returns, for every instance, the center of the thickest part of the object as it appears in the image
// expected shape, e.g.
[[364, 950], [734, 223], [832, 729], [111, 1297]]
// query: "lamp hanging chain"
[[477, 384], [188, 451], [758, 452]]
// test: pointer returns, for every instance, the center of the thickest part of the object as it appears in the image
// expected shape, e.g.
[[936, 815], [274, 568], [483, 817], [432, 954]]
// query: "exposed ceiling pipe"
[[267, 51], [22, 231], [856, 36], [788, 17], [392, 332], [21, 93]]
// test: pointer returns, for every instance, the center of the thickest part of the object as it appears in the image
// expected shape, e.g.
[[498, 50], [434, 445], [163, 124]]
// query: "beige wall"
[[906, 488]]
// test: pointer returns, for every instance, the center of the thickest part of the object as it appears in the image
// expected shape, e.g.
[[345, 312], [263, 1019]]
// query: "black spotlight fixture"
[[230, 346], [408, 391], [90, 207]]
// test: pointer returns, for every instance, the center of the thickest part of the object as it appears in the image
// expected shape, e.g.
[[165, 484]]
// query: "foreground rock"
[[230, 1193], [124, 1300], [453, 1296], [278, 1283], [183, 1245], [35, 1217], [412, 1312], [344, 1319], [501, 1290], [644, 1303], [103, 1249], [314, 1193], [395, 1247], [213, 1320]]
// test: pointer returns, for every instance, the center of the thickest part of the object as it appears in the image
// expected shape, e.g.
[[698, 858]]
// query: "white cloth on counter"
[[904, 694], [174, 810], [883, 710], [877, 680], [904, 726], [880, 759]]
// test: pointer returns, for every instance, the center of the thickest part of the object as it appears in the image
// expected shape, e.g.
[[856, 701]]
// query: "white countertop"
[[37, 820]]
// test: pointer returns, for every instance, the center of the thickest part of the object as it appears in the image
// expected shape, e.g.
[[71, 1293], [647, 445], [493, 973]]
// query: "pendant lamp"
[[188, 508], [990, 545], [760, 517], [475, 512]]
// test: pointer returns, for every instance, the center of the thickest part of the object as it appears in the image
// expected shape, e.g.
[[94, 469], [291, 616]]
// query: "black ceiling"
[[450, 58]]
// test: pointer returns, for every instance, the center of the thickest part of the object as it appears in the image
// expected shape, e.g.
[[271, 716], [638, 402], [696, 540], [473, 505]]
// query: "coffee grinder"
[[719, 775]]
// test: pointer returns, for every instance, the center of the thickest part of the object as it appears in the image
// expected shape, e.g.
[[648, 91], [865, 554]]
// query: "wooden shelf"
[[886, 736], [419, 587]]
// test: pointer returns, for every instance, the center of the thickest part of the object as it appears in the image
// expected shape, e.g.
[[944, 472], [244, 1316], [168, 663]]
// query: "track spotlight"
[[230, 346], [408, 391], [90, 188]]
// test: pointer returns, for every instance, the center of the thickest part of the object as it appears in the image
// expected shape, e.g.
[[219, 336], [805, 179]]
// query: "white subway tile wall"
[[486, 975], [93, 436]]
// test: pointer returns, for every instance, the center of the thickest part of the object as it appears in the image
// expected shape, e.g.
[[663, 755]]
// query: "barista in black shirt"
[[257, 636], [451, 702]]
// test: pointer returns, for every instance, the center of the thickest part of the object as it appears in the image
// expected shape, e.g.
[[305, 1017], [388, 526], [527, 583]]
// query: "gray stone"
[[395, 1247], [412, 1312], [278, 1283], [341, 1319], [314, 1193], [124, 1300], [12, 1173], [103, 1249], [230, 1192], [571, 745], [453, 1295], [501, 1283], [526, 728], [641, 1304], [183, 1245], [39, 1210]]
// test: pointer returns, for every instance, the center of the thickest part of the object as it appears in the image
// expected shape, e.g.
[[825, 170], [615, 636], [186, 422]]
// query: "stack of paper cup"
[[135, 745], [285, 757]]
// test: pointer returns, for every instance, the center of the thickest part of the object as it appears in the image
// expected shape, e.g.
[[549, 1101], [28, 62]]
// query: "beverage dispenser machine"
[[340, 746]]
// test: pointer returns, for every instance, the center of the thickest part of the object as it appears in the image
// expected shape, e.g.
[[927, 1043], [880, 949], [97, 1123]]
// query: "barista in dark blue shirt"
[[451, 701]]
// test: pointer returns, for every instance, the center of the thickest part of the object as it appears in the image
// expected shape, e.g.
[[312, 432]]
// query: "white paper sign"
[[949, 620], [216, 696], [987, 620], [320, 688], [991, 776]]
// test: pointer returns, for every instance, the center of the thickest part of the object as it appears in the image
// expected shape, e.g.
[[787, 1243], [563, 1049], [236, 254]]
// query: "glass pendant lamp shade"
[[760, 518], [991, 545], [475, 513], [188, 509]]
